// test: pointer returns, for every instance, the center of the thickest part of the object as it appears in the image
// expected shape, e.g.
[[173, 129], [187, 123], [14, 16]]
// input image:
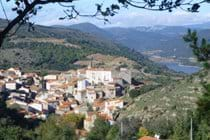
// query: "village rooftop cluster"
[[94, 92]]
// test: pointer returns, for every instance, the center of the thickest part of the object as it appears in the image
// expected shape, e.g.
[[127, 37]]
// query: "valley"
[[169, 44], [102, 73]]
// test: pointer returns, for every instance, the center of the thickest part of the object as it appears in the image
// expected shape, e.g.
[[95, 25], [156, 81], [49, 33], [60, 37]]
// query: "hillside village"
[[90, 83], [94, 92]]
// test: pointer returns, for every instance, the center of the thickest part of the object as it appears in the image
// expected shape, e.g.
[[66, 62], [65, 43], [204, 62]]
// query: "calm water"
[[182, 68]]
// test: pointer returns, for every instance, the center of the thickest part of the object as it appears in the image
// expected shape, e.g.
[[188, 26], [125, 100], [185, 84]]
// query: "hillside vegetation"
[[52, 48], [167, 102]]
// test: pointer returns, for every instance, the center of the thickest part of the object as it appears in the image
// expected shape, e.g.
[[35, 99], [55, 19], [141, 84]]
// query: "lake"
[[181, 68]]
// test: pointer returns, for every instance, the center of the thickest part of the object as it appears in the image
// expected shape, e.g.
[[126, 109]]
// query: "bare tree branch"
[[27, 8]]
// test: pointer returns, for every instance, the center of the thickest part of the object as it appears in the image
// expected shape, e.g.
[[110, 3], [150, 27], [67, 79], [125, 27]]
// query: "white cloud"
[[159, 18], [50, 14]]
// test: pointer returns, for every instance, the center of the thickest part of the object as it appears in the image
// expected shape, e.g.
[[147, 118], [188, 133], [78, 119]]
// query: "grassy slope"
[[169, 102]]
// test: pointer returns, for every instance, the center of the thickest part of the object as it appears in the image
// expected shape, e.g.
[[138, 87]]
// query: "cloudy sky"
[[130, 17]]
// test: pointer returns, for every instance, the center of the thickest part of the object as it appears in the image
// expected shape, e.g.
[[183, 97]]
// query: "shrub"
[[134, 93]]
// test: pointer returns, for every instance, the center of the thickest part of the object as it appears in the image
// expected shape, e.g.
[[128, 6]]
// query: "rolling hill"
[[162, 106], [91, 29], [56, 48]]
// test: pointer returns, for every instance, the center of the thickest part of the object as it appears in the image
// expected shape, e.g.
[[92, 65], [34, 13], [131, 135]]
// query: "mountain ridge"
[[168, 39]]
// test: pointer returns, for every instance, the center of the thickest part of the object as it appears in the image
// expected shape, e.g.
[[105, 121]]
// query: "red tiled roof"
[[65, 104], [2, 84], [98, 103], [104, 116]]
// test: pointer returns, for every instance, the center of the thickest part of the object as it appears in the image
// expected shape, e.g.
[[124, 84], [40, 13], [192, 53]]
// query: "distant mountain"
[[167, 39], [91, 29], [205, 33], [166, 30], [205, 25]]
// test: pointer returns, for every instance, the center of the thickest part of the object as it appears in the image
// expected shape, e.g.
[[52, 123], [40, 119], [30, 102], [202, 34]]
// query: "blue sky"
[[130, 17]]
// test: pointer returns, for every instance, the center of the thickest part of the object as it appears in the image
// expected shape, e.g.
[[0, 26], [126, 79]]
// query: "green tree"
[[203, 132], [43, 73], [13, 126], [204, 104], [11, 133], [114, 133], [180, 131], [142, 132], [202, 52], [161, 126], [75, 120], [52, 129], [99, 131], [134, 93]]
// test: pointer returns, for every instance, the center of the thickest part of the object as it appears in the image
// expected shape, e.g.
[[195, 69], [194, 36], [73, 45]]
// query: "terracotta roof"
[[115, 100], [14, 76], [98, 103], [82, 71], [80, 91], [33, 87], [148, 138], [104, 116], [55, 81], [88, 119], [63, 86], [2, 84], [66, 103], [72, 83], [111, 107], [64, 106], [30, 74], [74, 79], [90, 89], [22, 111], [89, 116], [91, 92]]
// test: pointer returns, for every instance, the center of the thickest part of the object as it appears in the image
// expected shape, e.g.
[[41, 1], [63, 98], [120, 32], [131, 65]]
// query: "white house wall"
[[97, 76]]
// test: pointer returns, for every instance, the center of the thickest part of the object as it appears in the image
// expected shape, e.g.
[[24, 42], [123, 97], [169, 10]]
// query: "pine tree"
[[203, 132], [204, 104], [180, 131]]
